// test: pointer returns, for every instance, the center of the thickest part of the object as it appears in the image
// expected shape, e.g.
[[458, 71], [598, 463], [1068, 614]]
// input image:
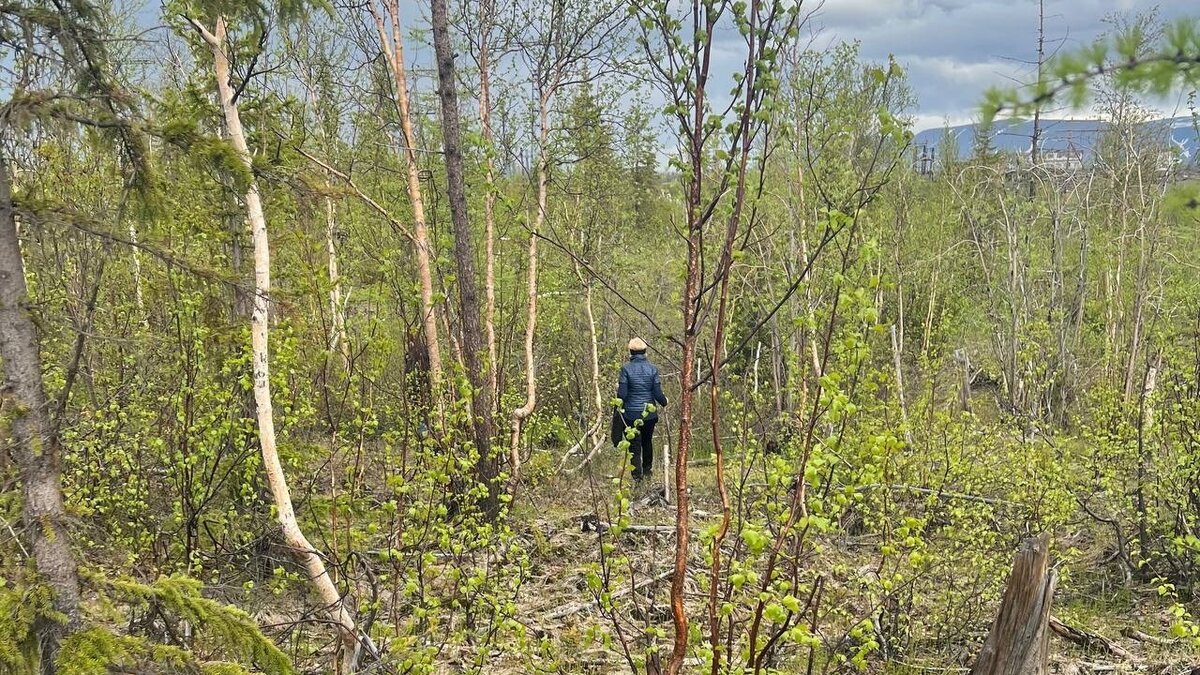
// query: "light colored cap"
[[637, 344]]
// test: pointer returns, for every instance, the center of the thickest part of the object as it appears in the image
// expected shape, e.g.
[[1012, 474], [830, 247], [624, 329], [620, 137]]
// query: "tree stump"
[[1019, 641]]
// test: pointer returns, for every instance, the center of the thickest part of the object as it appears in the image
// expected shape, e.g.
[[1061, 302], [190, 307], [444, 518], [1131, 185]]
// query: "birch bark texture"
[[392, 44], [294, 537]]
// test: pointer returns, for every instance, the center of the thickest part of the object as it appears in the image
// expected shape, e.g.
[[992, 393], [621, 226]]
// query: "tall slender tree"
[[391, 42], [464, 251], [571, 42], [61, 70], [684, 75], [218, 42], [487, 40]]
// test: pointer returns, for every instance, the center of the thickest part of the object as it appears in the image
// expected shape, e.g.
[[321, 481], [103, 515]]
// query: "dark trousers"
[[641, 448]]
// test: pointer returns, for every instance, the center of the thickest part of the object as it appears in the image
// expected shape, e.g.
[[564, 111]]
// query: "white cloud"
[[953, 50]]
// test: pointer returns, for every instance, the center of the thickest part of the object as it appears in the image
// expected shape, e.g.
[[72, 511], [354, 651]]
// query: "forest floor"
[[557, 522]]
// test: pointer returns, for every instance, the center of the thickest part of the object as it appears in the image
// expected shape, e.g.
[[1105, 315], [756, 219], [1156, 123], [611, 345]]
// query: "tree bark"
[[687, 367], [900, 386], [686, 376], [487, 14], [589, 311], [138, 295], [543, 179], [24, 410], [464, 253], [1019, 641], [1145, 425], [304, 552], [424, 247], [337, 311]]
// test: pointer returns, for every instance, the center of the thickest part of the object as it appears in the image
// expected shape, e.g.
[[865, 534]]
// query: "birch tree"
[[218, 42], [568, 43], [314, 69], [487, 41], [391, 42]]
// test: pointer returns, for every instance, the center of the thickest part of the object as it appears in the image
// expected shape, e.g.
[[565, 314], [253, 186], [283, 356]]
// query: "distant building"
[[1061, 159]]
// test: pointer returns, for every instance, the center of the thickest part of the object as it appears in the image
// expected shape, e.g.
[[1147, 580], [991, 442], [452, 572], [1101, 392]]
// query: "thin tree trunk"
[[725, 271], [259, 320], [686, 377], [25, 414], [1145, 424], [1139, 304], [927, 337], [337, 339], [757, 357], [1036, 140], [1115, 308], [900, 386], [424, 247], [687, 365], [777, 366], [591, 318], [487, 9], [1011, 353], [809, 310], [520, 414], [594, 436], [464, 253], [138, 296]]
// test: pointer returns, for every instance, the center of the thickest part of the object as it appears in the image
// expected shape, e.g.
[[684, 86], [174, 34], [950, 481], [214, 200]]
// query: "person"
[[640, 391]]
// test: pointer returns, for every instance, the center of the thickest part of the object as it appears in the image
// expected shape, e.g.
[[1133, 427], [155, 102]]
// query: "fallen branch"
[[1135, 634], [590, 523], [577, 607], [1088, 640], [575, 448], [943, 494]]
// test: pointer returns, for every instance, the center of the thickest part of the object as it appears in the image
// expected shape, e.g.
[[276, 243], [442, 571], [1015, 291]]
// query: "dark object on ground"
[[1088, 640]]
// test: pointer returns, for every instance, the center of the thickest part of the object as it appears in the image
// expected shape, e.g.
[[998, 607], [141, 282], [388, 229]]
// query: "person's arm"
[[623, 386], [659, 398]]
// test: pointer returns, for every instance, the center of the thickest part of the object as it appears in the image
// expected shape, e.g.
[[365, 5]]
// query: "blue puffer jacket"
[[639, 386]]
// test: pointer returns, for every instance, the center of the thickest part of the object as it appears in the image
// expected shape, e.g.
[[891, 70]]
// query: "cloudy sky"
[[953, 50]]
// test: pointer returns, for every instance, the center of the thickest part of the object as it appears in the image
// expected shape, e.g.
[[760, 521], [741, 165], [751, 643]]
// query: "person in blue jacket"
[[640, 391]]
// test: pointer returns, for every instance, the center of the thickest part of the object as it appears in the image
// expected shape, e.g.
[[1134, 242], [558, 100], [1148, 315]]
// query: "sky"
[[953, 50]]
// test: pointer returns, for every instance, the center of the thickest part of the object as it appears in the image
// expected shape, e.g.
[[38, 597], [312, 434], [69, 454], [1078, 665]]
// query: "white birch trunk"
[[487, 8], [520, 414], [259, 318], [424, 247], [337, 310], [138, 298]]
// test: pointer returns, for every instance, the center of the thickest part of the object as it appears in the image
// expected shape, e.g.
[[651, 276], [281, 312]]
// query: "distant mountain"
[[1074, 137]]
